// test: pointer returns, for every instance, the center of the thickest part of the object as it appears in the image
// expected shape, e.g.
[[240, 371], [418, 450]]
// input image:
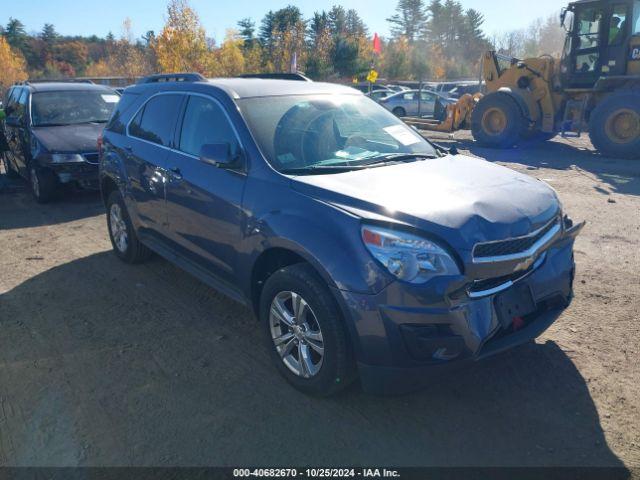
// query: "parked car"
[[397, 88], [414, 103], [362, 248], [378, 95], [460, 90], [51, 131]]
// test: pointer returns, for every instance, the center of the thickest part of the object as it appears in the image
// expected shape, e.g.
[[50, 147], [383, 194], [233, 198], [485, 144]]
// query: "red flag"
[[377, 46]]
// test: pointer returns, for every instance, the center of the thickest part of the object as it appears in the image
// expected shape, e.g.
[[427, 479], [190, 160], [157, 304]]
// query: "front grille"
[[92, 157], [512, 246]]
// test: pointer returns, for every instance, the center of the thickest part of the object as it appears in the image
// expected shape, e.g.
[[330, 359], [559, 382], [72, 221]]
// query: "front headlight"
[[66, 158], [408, 257]]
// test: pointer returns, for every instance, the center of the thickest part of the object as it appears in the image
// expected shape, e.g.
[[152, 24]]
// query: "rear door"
[[204, 202], [16, 130], [149, 139]]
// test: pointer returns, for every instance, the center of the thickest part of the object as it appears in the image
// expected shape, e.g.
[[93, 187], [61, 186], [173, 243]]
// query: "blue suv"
[[363, 249]]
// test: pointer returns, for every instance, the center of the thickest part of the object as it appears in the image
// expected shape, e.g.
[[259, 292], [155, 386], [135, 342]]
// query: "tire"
[[614, 126], [43, 183], [399, 112], [123, 237], [537, 136], [8, 169], [324, 375], [497, 122]]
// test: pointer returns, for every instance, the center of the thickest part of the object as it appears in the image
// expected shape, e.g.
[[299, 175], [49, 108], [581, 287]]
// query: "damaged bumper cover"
[[407, 335], [78, 168]]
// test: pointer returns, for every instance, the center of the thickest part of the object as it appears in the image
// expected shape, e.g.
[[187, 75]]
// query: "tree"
[[182, 44], [319, 62], [49, 34], [14, 68], [282, 33], [410, 20], [229, 57], [338, 20]]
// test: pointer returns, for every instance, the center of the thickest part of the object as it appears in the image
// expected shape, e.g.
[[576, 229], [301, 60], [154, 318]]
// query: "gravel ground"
[[106, 364]]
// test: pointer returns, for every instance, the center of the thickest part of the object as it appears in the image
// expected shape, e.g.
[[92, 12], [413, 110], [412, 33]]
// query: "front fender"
[[326, 237]]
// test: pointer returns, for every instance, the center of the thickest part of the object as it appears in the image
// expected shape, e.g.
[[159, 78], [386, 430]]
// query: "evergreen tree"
[[410, 20]]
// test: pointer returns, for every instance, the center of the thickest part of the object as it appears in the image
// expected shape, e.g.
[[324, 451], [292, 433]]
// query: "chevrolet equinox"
[[364, 250]]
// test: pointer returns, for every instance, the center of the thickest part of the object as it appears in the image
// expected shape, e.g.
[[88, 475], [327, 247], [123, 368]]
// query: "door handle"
[[175, 173]]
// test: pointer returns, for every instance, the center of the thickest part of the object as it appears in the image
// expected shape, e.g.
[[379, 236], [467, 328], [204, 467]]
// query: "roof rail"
[[60, 80], [172, 77], [278, 76]]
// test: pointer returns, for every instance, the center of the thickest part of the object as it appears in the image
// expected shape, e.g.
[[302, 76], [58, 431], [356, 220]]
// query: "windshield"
[[72, 107], [329, 131]]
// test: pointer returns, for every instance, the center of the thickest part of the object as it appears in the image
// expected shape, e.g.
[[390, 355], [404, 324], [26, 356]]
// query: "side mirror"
[[218, 154]]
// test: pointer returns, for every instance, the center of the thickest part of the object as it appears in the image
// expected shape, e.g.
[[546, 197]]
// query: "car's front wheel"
[[306, 333], [121, 232], [44, 184]]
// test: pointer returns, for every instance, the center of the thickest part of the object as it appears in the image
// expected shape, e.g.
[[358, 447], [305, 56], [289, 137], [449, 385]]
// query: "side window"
[[427, 97], [116, 122], [13, 97], [618, 24], [156, 120], [205, 122], [21, 105], [588, 31], [636, 17], [408, 96]]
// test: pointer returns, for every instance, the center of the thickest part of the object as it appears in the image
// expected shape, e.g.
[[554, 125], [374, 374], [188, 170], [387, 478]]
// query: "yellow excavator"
[[594, 87]]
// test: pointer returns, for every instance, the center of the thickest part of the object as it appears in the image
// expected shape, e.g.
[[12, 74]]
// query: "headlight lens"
[[66, 158], [408, 257]]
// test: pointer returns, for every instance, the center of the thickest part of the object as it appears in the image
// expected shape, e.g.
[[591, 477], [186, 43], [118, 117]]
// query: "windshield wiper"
[[328, 169], [403, 157]]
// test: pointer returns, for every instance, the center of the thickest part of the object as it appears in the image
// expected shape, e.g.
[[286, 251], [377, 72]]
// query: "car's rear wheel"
[[399, 112], [121, 232], [306, 333], [44, 184]]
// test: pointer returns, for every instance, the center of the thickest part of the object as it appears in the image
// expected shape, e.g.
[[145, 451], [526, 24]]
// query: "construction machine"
[[594, 87]]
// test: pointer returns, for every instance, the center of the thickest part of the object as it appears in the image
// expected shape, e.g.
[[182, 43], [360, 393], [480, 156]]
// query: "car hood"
[[69, 138], [462, 199]]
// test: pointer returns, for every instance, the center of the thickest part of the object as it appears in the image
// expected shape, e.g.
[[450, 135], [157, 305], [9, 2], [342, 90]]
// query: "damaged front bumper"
[[406, 335], [83, 173]]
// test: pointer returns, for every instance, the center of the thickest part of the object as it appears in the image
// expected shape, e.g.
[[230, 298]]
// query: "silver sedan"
[[414, 103]]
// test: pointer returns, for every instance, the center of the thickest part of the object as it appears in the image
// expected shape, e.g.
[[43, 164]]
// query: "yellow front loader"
[[594, 87]]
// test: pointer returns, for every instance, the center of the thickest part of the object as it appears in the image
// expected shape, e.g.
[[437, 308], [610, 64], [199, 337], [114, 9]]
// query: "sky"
[[88, 17]]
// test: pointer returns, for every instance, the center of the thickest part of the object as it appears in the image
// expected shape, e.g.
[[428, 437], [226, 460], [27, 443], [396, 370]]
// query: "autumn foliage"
[[13, 67]]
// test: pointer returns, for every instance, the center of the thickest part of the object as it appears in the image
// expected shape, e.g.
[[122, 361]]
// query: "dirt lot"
[[107, 364]]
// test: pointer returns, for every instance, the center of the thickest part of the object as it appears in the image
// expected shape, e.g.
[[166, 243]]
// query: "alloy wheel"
[[296, 334], [118, 228], [35, 182]]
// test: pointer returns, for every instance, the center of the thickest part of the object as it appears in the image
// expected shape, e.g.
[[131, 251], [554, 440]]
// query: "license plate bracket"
[[515, 302]]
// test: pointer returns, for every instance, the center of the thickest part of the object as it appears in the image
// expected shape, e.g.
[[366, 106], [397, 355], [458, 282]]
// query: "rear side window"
[[116, 123], [156, 120], [205, 122], [21, 106]]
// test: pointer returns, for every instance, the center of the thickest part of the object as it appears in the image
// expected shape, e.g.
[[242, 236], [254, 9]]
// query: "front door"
[[204, 202], [588, 39]]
